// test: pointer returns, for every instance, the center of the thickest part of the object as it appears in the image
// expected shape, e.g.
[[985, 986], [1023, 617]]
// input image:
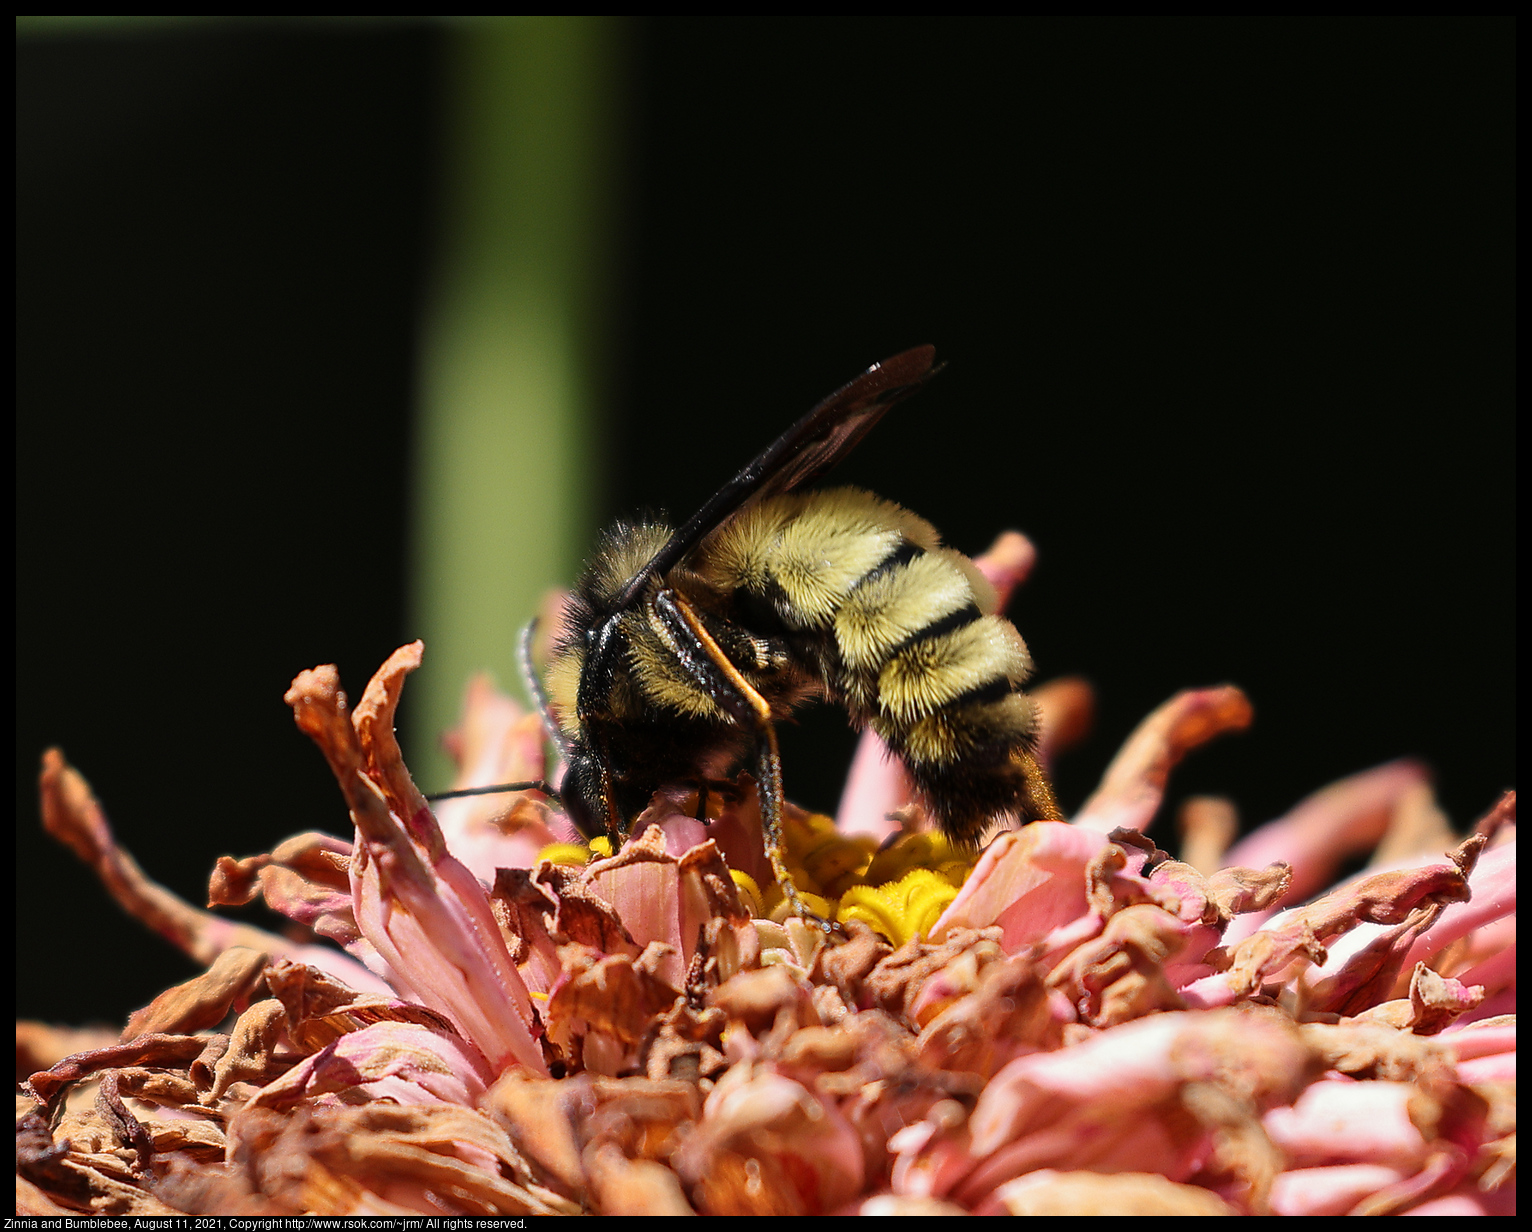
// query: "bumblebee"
[[680, 649]]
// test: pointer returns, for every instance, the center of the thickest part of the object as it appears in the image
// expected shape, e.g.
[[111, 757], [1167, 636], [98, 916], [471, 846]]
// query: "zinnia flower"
[[479, 1016]]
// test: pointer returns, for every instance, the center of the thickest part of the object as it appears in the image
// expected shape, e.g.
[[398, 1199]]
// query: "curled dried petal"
[[73, 815], [762, 1131]]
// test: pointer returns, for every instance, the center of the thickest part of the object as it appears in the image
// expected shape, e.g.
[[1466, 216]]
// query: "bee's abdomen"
[[914, 638], [970, 759], [938, 678]]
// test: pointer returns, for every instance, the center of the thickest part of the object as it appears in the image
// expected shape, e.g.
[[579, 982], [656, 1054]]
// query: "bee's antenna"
[[535, 689], [531, 785]]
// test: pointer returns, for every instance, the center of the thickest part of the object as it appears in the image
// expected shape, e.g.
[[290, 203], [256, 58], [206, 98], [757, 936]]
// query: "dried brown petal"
[[1236, 890], [641, 1115], [251, 1052], [168, 1089], [73, 815], [1501, 816], [1375, 1050], [203, 1001], [623, 1186], [605, 1009], [306, 878], [1009, 1014], [382, 1158], [847, 966], [930, 977], [578, 914], [157, 1051], [1120, 975], [758, 998], [320, 1009], [40, 1163], [540, 1115], [685, 1047], [767, 1142], [198, 1140], [85, 1168], [373, 719]]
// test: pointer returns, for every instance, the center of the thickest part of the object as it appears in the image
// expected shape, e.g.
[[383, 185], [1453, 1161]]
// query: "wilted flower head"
[[482, 1017]]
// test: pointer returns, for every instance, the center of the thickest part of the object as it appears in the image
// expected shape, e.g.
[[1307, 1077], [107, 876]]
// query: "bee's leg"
[[684, 634], [616, 833]]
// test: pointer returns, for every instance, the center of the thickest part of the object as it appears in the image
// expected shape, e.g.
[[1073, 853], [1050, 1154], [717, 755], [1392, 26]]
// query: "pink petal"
[[1498, 1068], [402, 1062], [1132, 1066], [877, 786], [421, 909], [1134, 784], [1480, 1039], [642, 883], [1028, 881], [1322, 830], [1330, 1190], [1492, 886], [1341, 1120], [497, 742], [1006, 564]]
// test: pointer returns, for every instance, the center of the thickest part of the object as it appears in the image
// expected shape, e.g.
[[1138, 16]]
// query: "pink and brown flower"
[[479, 1017]]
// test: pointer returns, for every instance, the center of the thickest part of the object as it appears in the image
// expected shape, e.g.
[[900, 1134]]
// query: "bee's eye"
[[581, 795]]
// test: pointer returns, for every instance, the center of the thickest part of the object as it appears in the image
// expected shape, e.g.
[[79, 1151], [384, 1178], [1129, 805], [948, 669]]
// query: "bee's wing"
[[800, 455]]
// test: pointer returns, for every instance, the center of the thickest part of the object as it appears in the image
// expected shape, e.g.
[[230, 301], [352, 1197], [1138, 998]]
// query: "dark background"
[[1227, 308]]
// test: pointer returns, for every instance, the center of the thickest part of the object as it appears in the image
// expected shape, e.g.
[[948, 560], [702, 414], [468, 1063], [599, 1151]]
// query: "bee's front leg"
[[677, 624]]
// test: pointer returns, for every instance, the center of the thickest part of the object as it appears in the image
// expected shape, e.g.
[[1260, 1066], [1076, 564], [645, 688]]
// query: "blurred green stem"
[[511, 349]]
